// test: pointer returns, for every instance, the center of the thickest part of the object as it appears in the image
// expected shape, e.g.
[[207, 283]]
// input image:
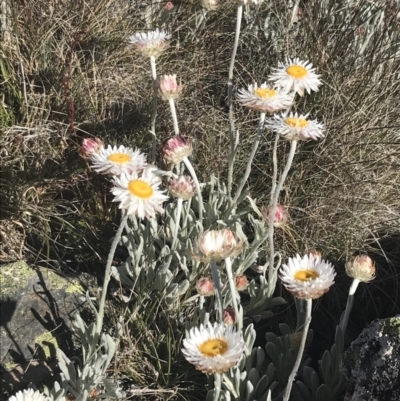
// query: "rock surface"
[[36, 307], [371, 365]]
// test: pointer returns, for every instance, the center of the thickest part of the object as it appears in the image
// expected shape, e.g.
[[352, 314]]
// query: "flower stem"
[[233, 140], [251, 157], [215, 276], [155, 102], [173, 114], [178, 218], [272, 271], [232, 287], [107, 275], [189, 166], [293, 373], [217, 386], [349, 305]]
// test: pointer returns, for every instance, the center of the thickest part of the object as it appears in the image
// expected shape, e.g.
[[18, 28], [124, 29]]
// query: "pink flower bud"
[[241, 282], [90, 147], [169, 5], [281, 215], [229, 316], [205, 286], [183, 187], [175, 149], [169, 87]]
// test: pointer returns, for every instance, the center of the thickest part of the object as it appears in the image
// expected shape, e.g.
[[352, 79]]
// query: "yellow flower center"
[[296, 122], [265, 93], [306, 275], [213, 347], [297, 71], [140, 189], [120, 158]]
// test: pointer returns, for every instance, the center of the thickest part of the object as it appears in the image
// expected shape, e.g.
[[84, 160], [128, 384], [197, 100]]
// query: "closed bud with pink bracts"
[[90, 147], [175, 149], [315, 253], [205, 286], [169, 87], [229, 316], [169, 5], [361, 268], [183, 187], [241, 282], [281, 215]]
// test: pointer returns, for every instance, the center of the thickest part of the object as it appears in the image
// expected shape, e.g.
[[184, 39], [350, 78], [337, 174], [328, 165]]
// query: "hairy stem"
[[178, 218], [155, 103], [251, 157], [272, 272], [293, 373], [107, 275], [349, 305], [173, 114], [232, 287], [189, 166], [217, 283], [232, 138]]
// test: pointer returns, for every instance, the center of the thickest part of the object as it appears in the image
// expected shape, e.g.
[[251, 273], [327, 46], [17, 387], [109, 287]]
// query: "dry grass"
[[68, 73]]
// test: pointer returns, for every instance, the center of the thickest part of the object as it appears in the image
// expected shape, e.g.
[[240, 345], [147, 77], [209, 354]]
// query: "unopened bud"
[[362, 268], [241, 282], [169, 87], [281, 215], [210, 4], [205, 286], [183, 187], [175, 149], [229, 316], [90, 147]]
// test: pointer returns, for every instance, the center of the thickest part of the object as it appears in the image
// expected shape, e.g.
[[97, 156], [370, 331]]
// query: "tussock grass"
[[67, 72]]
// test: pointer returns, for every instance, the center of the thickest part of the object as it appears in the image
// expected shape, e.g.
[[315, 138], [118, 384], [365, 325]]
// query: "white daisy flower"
[[139, 195], [264, 98], [150, 43], [115, 161], [213, 349], [296, 75], [28, 395], [295, 127], [308, 277]]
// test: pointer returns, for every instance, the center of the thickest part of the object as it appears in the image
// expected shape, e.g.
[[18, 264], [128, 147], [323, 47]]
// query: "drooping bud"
[[90, 147], [241, 282], [229, 316], [362, 268], [183, 187], [169, 87], [205, 286], [281, 215], [175, 149]]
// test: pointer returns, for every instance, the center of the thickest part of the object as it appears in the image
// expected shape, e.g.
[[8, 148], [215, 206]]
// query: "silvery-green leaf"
[[278, 301], [260, 388], [325, 366], [183, 287], [270, 372], [249, 390], [266, 314], [272, 352], [284, 329], [249, 338], [253, 376], [324, 393], [260, 357], [310, 378], [301, 391]]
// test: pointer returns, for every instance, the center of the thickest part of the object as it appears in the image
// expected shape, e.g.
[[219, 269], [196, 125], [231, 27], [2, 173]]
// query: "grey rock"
[[371, 364]]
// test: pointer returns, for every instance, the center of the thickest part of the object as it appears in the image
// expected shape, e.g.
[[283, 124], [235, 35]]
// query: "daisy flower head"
[[139, 195], [308, 277], [264, 98], [216, 245], [295, 127], [116, 161], [213, 349], [150, 43], [296, 75], [28, 395]]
